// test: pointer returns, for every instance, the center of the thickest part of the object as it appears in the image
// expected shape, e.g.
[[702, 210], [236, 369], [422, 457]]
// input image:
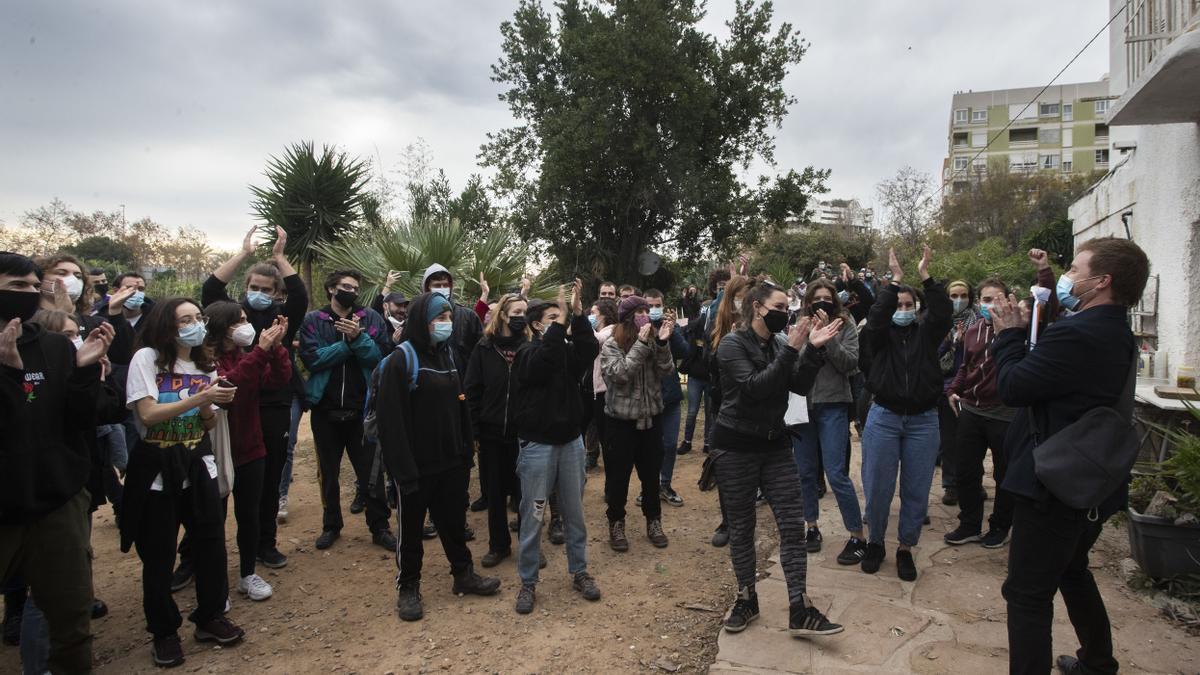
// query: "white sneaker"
[[228, 605], [283, 514], [254, 587]]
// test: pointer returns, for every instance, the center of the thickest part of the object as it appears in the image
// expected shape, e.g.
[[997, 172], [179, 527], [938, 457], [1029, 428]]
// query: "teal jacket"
[[322, 347]]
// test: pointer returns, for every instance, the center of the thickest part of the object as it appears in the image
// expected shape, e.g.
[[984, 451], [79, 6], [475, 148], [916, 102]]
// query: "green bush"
[[986, 259]]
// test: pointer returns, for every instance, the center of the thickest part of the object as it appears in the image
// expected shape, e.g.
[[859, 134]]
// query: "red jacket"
[[251, 372]]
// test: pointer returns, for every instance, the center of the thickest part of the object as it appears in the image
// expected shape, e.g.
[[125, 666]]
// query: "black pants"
[[333, 438], [948, 427], [596, 402], [498, 461], [276, 423], [247, 500], [976, 434], [1049, 554], [162, 515], [440, 495], [625, 448]]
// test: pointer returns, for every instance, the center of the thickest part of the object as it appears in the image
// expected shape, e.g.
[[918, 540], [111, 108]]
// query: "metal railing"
[[1150, 26]]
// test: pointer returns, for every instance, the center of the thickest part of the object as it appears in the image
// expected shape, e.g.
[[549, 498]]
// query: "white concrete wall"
[[1160, 182]]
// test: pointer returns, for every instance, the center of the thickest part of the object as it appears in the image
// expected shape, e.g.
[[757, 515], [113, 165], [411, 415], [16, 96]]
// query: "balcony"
[[1162, 56]]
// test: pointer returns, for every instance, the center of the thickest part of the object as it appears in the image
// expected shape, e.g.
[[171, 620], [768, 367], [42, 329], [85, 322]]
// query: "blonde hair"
[[54, 320], [496, 323]]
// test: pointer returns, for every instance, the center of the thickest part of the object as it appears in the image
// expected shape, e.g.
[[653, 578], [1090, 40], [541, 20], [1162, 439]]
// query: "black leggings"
[[247, 500]]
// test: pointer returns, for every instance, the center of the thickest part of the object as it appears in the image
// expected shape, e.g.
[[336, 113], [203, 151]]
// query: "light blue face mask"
[[441, 331], [258, 300], [444, 292], [844, 296], [595, 321], [986, 312], [1064, 289], [192, 335], [656, 313], [959, 305], [135, 301], [904, 318]]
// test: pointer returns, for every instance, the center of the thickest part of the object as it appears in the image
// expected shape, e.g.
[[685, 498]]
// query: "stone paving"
[[950, 620]]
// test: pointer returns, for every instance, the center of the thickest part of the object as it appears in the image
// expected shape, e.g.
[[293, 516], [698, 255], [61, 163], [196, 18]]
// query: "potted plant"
[[1164, 509]]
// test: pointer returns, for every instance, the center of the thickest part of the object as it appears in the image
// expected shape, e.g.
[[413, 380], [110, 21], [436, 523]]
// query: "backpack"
[[370, 424]]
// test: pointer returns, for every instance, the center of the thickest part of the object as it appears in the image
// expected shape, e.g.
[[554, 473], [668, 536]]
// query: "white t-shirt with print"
[[146, 380]]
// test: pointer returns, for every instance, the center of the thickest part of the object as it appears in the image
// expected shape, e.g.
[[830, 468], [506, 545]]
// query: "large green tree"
[[633, 125]]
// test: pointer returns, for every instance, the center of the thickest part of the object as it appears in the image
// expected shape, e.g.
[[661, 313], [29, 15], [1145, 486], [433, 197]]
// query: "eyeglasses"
[[189, 320]]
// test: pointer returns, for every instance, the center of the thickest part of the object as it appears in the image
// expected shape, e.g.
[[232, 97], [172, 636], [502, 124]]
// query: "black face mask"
[[822, 304], [776, 320], [19, 305], [346, 298], [516, 324], [101, 290]]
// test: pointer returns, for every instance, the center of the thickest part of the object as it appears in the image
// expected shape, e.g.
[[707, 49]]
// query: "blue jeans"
[[112, 441], [697, 393], [545, 470], [898, 444], [670, 440], [285, 481], [826, 433], [35, 640]]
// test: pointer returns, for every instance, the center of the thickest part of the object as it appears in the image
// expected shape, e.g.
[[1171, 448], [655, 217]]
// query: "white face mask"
[[243, 335], [737, 305], [74, 286], [396, 323], [444, 292]]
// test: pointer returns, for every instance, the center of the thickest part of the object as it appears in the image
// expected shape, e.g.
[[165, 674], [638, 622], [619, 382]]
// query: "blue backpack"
[[370, 424]]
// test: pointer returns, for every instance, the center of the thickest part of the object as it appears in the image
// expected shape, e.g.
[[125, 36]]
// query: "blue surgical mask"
[[1065, 288], [192, 335], [444, 292], [959, 305], [844, 296], [258, 300], [595, 321], [135, 301], [441, 331], [905, 317], [656, 313], [986, 311]]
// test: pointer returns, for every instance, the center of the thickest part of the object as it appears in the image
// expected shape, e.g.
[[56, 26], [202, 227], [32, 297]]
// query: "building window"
[[1049, 161], [960, 163], [1066, 166], [1048, 110], [979, 139], [1101, 133], [1102, 107], [1102, 158], [1068, 137], [979, 116], [979, 166], [960, 139], [960, 116], [1050, 136], [1068, 112], [1022, 136]]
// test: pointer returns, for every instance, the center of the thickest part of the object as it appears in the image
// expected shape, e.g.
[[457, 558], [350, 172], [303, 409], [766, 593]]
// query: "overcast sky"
[[172, 107]]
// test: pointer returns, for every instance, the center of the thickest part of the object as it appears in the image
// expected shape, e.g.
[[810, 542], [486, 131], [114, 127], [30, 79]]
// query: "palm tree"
[[315, 199]]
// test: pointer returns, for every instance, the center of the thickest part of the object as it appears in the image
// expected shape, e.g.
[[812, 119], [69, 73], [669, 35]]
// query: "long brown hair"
[[161, 332], [729, 318], [83, 304], [626, 332], [838, 309], [493, 328], [222, 315]]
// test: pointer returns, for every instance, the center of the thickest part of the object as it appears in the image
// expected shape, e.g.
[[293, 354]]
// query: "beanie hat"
[[630, 305], [437, 305]]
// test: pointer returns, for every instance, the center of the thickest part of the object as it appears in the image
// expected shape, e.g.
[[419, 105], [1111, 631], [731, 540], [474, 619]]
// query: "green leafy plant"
[[1178, 475]]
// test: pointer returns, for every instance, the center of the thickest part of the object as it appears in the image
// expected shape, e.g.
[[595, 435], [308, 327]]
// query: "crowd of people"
[[167, 407]]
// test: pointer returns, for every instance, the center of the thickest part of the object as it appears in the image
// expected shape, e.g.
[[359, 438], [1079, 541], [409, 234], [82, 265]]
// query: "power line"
[[1036, 96]]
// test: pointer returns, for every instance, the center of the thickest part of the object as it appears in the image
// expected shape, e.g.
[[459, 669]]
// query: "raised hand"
[[526, 284], [248, 242], [484, 289], [95, 346], [1039, 258], [268, 337], [821, 336], [562, 304], [1007, 314], [61, 299], [923, 266], [280, 242], [664, 331], [392, 277], [894, 266], [644, 333], [820, 319], [846, 273], [116, 301], [577, 297], [797, 335], [9, 356]]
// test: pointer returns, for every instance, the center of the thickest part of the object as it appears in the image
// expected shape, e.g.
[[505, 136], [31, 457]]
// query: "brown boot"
[[655, 534], [616, 536]]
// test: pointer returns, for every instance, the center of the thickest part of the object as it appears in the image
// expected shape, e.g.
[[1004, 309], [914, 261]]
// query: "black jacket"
[[549, 369], [905, 376], [756, 376], [1081, 362], [47, 410], [489, 386], [467, 331]]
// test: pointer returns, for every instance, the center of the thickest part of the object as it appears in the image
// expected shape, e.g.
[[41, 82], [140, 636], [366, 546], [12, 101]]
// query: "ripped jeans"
[[545, 469]]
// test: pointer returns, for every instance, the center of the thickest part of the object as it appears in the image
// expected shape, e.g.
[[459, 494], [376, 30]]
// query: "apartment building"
[[844, 217], [1064, 130]]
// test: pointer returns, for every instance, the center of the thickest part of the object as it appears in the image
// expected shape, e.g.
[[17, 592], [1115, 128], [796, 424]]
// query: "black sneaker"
[[408, 602], [586, 585], [99, 609], [684, 448], [470, 583], [745, 610], [995, 538], [384, 539], [906, 569], [873, 558], [555, 531], [359, 504], [327, 538], [430, 532], [270, 556], [668, 494], [468, 533], [809, 621], [514, 525], [950, 496], [525, 599], [219, 630], [167, 652], [1068, 665], [720, 536], [853, 553], [704, 449], [479, 505], [962, 535], [813, 540], [493, 558], [182, 576]]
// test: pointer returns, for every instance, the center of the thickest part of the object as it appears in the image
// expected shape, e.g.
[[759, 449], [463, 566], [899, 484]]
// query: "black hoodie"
[[549, 369], [905, 375], [46, 410], [427, 430], [489, 386]]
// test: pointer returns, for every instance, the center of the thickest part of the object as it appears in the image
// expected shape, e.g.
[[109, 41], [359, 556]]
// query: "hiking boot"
[[359, 504], [655, 534], [99, 609], [270, 556], [684, 448], [493, 558], [525, 599], [408, 602], [906, 569], [995, 538], [219, 630], [873, 558], [254, 587], [616, 536], [384, 539], [853, 553], [744, 610], [963, 534], [720, 536], [430, 532], [586, 585], [808, 621], [667, 494], [182, 576], [469, 582], [555, 531], [282, 516], [950, 496], [704, 449], [1068, 665], [327, 538], [167, 651], [813, 540], [479, 504]]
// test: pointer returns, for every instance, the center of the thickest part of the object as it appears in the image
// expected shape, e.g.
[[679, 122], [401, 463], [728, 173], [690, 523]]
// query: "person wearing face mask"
[[265, 368], [751, 451], [425, 439], [67, 288], [489, 388], [136, 305], [901, 438], [695, 366], [341, 344], [265, 283], [672, 396], [98, 278], [173, 389], [854, 295], [603, 319], [633, 362], [950, 358]]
